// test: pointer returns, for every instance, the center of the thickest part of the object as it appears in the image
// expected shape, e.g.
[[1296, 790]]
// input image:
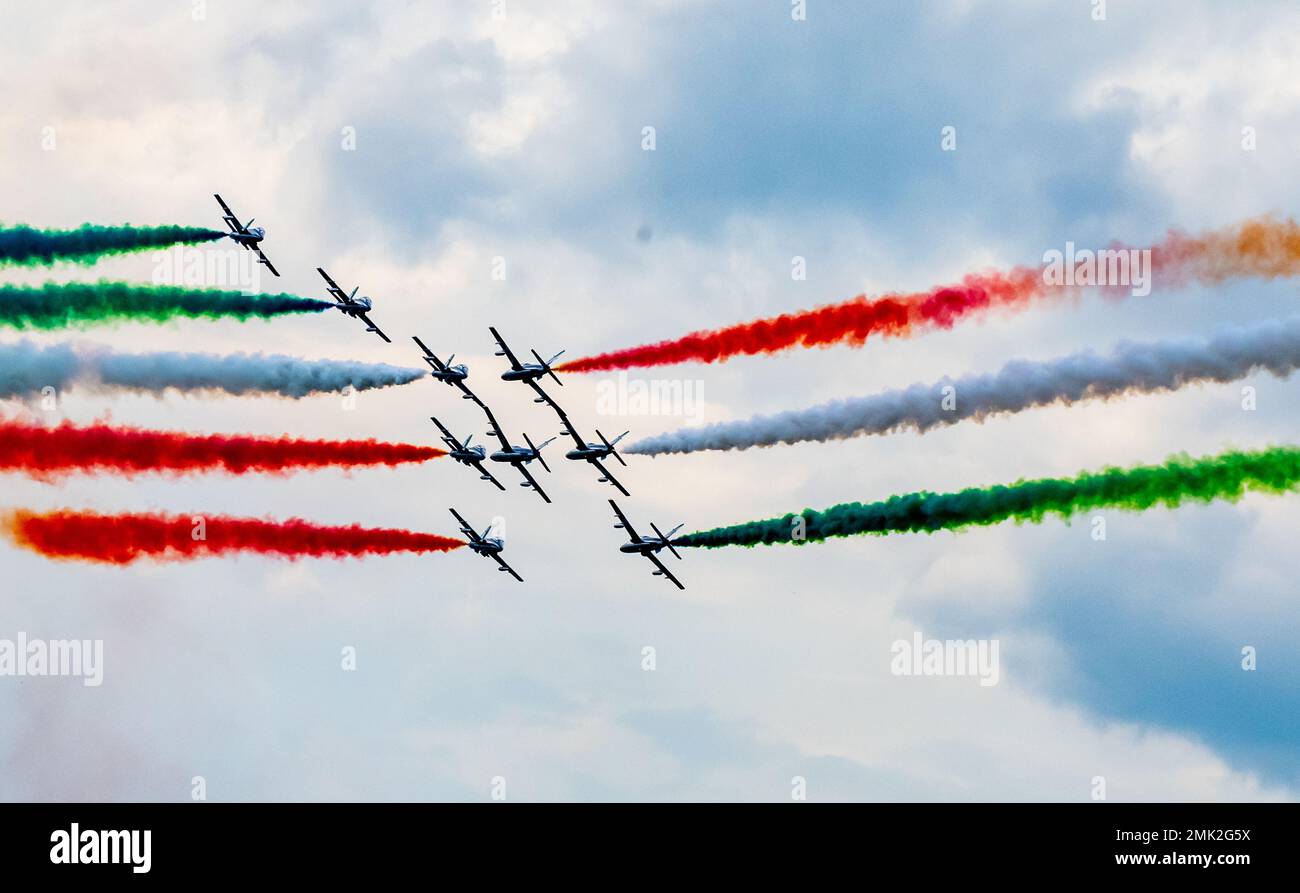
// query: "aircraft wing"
[[371, 323], [532, 480], [572, 432], [496, 429], [464, 389], [262, 259], [546, 398], [429, 356], [487, 474], [609, 477], [664, 571], [465, 527], [446, 435], [508, 569], [333, 287], [229, 216], [559, 411], [627, 525], [514, 361]]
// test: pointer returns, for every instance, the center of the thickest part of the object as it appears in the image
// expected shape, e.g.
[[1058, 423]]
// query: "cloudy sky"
[[406, 147]]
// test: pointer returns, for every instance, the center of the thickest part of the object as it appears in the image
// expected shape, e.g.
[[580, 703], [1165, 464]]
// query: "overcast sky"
[[408, 147]]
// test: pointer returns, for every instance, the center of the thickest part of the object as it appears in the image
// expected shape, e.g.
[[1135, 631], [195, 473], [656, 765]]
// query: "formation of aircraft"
[[246, 234], [351, 305], [251, 237], [596, 453], [487, 546], [648, 546]]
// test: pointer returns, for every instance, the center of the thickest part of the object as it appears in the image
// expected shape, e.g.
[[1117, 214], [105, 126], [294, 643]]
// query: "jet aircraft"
[[351, 305], [487, 546], [246, 234], [465, 454], [518, 456], [528, 373], [648, 546]]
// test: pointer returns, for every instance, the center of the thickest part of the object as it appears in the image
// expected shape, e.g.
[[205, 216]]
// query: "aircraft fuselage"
[[488, 547], [515, 456], [590, 451], [641, 547], [530, 372], [468, 457]]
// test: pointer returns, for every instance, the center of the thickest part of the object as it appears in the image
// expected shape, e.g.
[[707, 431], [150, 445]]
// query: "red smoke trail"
[[44, 451], [122, 539], [1263, 247]]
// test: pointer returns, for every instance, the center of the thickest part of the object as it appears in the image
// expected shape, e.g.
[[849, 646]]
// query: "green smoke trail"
[[76, 304], [1225, 476], [29, 246]]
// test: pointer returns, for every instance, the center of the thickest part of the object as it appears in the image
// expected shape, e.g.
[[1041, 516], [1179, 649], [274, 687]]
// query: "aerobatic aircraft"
[[648, 546], [452, 376], [585, 451], [487, 546], [465, 454], [528, 373], [246, 234], [518, 456], [351, 305], [594, 452]]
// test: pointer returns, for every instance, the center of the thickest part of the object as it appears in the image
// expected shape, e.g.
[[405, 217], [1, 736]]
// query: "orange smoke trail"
[[1262, 247]]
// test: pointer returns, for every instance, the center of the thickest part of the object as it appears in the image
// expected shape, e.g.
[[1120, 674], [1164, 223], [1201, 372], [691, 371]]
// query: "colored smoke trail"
[[123, 539], [1262, 247], [1131, 368], [29, 246], [57, 305], [44, 452], [27, 369], [1181, 479]]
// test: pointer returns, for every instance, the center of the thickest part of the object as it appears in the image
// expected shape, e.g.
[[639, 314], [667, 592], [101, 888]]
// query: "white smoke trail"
[[1229, 355], [27, 368]]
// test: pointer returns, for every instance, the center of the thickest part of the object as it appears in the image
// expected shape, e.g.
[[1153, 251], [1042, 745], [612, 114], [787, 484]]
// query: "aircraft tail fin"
[[665, 540], [546, 364], [537, 451], [611, 444]]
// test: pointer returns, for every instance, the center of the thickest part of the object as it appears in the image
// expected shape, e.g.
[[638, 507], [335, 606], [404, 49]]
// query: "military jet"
[[594, 452], [351, 305], [517, 456], [526, 372], [465, 454], [591, 452], [487, 546], [648, 546], [452, 376], [246, 234]]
